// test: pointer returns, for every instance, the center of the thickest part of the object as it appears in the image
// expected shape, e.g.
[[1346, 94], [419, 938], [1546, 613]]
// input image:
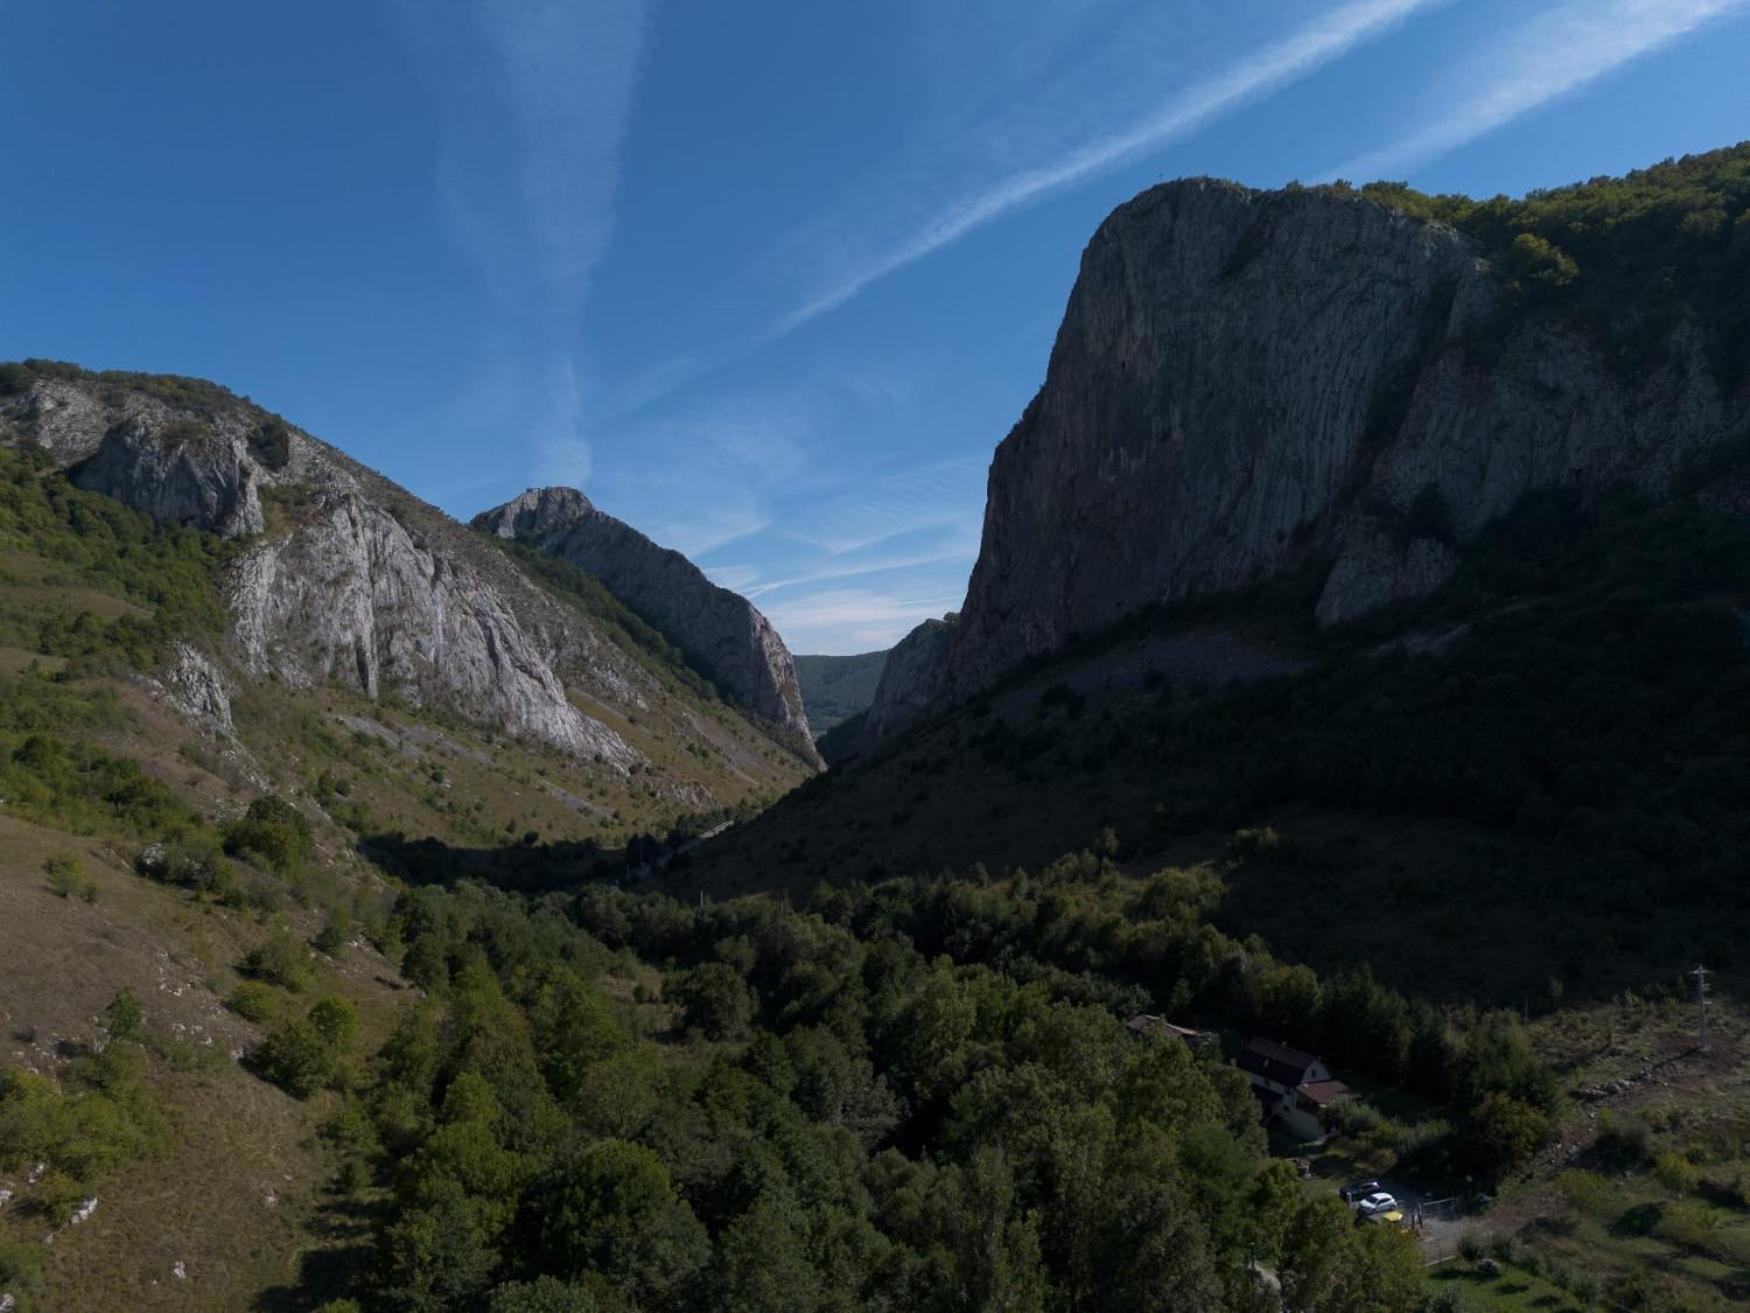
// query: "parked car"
[[1356, 1191], [1377, 1202]]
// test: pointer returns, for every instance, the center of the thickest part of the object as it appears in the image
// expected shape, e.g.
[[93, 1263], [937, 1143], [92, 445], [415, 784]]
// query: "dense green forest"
[[807, 1109]]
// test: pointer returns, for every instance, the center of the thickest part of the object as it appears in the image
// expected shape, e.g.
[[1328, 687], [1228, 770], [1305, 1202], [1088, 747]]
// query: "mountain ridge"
[[1248, 383], [335, 575], [721, 632]]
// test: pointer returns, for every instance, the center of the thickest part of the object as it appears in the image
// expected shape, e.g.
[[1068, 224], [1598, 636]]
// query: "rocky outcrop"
[[361, 584], [354, 595], [721, 633], [911, 680], [197, 689], [178, 473], [1249, 382]]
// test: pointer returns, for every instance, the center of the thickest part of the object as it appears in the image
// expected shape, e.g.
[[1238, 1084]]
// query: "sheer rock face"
[[361, 584], [1252, 382], [355, 595], [721, 633], [910, 681]]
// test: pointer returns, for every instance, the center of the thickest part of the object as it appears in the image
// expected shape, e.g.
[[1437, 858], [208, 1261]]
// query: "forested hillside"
[[1552, 740], [835, 688]]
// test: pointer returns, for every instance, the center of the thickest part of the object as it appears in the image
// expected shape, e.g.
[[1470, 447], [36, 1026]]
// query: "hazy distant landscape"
[[836, 688]]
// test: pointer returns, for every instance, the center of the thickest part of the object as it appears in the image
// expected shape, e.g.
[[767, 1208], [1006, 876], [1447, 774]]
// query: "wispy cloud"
[[854, 619], [1554, 54], [941, 494], [534, 98], [1254, 75], [705, 476], [564, 454], [570, 70], [959, 552]]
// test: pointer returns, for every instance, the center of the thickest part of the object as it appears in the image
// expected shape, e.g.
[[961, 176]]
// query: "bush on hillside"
[[274, 831]]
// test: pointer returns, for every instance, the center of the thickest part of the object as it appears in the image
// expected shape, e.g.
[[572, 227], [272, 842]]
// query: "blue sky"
[[770, 281]]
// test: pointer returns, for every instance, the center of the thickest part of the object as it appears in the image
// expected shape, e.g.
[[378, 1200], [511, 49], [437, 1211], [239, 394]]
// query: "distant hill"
[[835, 688]]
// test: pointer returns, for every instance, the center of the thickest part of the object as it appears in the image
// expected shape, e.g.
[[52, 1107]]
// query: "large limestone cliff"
[[720, 632], [360, 583], [1248, 382]]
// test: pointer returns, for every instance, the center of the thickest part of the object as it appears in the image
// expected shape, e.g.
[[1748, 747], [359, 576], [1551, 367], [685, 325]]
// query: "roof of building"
[[1276, 1062], [1145, 1024], [1324, 1092]]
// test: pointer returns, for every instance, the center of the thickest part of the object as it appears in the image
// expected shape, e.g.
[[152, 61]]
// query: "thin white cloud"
[[564, 452], [961, 553], [704, 532], [736, 578], [570, 70], [943, 494], [853, 619], [1326, 38], [535, 98], [1554, 54]]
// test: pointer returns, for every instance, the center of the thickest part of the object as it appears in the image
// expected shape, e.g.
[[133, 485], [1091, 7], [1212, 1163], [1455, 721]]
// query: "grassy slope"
[[237, 1137], [89, 596], [835, 688]]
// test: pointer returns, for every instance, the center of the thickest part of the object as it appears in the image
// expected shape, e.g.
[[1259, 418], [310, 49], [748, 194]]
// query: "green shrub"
[[297, 1058], [192, 863], [97, 1116], [1688, 1226], [1583, 1190], [1260, 845], [1505, 1131], [1535, 263], [283, 959], [715, 1001], [19, 1263], [1624, 1139], [15, 378], [271, 441], [334, 934], [254, 1000], [305, 1056], [1676, 1173], [273, 830], [65, 871], [335, 1019], [124, 1015]]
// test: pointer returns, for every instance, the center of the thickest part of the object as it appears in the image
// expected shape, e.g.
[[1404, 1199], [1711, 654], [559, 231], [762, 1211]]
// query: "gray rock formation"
[[178, 473], [721, 633], [1247, 382], [197, 689], [361, 584], [911, 680], [354, 595]]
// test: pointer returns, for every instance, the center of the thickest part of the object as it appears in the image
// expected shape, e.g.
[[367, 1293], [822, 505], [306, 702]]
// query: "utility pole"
[[1701, 974]]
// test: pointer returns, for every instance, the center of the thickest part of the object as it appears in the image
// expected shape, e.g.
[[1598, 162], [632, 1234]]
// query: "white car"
[[1381, 1202]]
